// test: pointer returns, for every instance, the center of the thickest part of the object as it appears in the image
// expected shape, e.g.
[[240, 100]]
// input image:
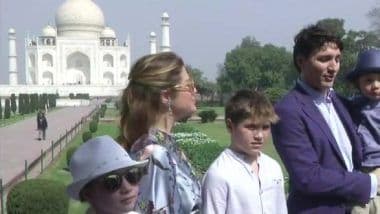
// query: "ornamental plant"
[[38, 196], [207, 115], [199, 148], [87, 135]]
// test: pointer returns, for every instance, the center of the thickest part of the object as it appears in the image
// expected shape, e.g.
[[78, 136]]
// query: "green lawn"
[[112, 113]]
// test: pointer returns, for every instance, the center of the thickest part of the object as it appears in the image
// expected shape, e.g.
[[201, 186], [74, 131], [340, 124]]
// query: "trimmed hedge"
[[183, 127], [103, 109], [207, 115], [69, 153], [38, 196], [198, 147], [201, 155], [87, 135], [93, 126]]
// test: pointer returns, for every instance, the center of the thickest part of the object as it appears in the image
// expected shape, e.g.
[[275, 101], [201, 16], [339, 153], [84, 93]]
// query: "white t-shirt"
[[231, 186]]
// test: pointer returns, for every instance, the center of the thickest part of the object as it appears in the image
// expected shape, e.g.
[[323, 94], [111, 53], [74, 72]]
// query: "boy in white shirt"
[[243, 179]]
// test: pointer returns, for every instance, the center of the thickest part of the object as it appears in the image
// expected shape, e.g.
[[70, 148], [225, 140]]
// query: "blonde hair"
[[141, 98]]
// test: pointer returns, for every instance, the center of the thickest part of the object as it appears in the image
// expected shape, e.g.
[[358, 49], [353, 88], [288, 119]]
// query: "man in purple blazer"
[[315, 137]]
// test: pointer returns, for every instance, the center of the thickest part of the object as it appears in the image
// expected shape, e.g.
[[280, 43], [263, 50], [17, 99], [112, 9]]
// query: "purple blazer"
[[319, 180]]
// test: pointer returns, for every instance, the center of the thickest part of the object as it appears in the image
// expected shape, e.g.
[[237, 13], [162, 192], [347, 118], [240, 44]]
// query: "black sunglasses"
[[113, 180]]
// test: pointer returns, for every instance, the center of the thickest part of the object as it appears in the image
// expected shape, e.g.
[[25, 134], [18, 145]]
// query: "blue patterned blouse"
[[170, 186]]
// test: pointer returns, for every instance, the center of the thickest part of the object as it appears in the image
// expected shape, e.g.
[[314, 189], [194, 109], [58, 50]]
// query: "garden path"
[[18, 142]]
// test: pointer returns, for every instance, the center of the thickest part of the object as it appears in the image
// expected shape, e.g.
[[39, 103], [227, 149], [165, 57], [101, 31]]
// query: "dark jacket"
[[41, 122], [319, 179]]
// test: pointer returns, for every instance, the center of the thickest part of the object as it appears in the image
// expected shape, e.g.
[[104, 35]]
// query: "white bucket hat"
[[96, 157]]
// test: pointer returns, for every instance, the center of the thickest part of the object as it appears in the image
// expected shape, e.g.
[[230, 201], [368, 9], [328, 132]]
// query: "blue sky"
[[202, 31]]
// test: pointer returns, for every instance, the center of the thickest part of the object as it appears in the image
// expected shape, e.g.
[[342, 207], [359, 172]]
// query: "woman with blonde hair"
[[159, 93]]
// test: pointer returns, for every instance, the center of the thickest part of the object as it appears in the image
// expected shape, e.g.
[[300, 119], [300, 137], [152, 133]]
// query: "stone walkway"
[[18, 142]]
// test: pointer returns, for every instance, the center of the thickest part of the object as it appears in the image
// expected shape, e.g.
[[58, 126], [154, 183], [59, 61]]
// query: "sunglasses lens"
[[112, 182], [133, 176]]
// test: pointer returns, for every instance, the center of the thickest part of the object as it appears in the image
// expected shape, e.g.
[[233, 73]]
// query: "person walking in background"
[[365, 111], [105, 176], [159, 93], [243, 179], [316, 137], [41, 125]]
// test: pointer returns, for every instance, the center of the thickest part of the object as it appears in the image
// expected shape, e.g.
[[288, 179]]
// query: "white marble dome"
[[108, 33], [49, 31], [79, 18]]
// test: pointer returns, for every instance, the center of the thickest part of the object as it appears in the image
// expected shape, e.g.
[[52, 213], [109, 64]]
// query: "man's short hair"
[[246, 104], [313, 38]]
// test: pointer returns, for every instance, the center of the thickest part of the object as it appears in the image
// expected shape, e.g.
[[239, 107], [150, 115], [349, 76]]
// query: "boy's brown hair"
[[246, 104]]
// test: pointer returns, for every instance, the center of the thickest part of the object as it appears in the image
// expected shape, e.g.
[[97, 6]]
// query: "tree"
[[251, 65], [336, 26], [7, 109], [13, 103], [204, 87], [374, 17]]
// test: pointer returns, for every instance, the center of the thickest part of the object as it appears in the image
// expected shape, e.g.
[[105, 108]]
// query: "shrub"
[[95, 117], [7, 109], [71, 96], [38, 196], [87, 135], [199, 148], [93, 126], [13, 103], [201, 155], [103, 109], [84, 96], [69, 153], [207, 115], [183, 127]]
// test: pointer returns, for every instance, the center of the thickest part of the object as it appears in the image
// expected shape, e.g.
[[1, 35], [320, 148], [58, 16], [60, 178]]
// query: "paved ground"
[[18, 142]]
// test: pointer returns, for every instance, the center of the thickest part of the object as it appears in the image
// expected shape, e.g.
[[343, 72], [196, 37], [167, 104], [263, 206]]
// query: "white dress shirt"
[[231, 186]]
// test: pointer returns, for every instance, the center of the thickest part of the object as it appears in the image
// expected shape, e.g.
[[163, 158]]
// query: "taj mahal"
[[79, 54]]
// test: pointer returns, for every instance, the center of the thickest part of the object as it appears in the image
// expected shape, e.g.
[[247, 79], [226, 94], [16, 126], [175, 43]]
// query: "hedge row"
[[38, 196], [198, 147]]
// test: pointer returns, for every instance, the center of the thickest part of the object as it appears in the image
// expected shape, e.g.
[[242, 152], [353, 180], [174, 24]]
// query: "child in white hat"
[[105, 176]]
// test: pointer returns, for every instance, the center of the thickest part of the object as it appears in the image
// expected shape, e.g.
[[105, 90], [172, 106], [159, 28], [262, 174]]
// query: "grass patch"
[[215, 130], [112, 113]]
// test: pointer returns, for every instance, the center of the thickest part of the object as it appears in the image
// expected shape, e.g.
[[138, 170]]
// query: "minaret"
[[165, 43], [153, 43], [128, 42], [12, 57]]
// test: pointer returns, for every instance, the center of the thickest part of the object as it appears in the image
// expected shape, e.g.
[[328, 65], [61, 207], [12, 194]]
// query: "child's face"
[[369, 85], [249, 136]]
